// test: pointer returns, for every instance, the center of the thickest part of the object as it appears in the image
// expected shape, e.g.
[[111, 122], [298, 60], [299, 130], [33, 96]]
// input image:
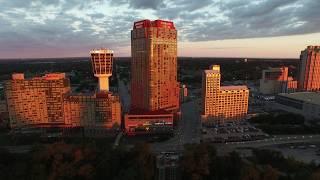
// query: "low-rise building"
[[149, 122], [276, 80], [304, 103], [167, 165], [96, 110]]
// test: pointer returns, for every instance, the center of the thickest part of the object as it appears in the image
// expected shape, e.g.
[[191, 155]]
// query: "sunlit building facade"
[[37, 101], [309, 69], [222, 103], [47, 102], [154, 83], [277, 80]]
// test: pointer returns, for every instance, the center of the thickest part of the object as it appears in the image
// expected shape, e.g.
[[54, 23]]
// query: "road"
[[283, 139], [124, 96], [187, 131]]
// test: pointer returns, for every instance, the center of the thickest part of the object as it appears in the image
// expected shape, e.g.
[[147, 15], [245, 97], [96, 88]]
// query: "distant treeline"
[[232, 68]]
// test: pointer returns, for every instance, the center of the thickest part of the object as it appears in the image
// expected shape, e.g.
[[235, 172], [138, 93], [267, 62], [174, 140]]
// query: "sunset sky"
[[206, 28]]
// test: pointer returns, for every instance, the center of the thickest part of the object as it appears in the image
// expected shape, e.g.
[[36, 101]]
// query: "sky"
[[206, 28]]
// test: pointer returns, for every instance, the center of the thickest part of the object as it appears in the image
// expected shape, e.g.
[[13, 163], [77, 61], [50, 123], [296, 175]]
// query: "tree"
[[144, 160], [270, 173], [196, 160], [315, 175], [250, 173]]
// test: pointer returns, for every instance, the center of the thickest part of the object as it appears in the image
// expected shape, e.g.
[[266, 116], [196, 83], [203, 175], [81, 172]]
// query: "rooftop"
[[144, 112], [310, 97], [156, 23], [211, 71], [49, 76], [230, 88], [101, 50]]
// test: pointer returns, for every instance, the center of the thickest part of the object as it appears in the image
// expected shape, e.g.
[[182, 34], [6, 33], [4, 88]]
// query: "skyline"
[[242, 28]]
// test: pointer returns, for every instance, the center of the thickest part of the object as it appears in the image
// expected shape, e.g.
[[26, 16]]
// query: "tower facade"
[[309, 69], [155, 99], [102, 61], [154, 83]]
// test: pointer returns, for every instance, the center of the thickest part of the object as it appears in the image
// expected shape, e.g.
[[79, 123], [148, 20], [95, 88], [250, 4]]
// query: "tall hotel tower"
[[309, 69], [102, 60], [154, 66], [154, 86]]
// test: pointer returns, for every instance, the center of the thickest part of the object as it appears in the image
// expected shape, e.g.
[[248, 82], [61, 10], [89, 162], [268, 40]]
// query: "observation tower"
[[102, 60]]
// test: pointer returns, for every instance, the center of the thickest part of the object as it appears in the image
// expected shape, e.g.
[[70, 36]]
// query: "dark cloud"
[[249, 19], [145, 4], [140, 4]]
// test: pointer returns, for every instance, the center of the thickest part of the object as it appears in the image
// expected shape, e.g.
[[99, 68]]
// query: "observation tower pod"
[[102, 60]]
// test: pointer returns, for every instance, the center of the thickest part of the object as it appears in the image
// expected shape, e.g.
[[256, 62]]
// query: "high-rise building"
[[276, 80], [309, 69], [154, 83], [47, 101], [36, 101], [222, 103], [102, 61], [154, 86]]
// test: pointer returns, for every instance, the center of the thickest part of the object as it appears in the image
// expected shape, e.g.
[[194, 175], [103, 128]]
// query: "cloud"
[[76, 25], [145, 4], [250, 19]]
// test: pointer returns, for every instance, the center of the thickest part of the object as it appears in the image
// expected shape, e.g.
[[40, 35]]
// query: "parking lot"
[[232, 132], [305, 152]]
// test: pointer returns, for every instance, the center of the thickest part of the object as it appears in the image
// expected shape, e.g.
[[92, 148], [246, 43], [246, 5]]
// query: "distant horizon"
[[196, 57]]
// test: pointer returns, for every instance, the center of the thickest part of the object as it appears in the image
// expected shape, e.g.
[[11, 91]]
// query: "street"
[[187, 131], [124, 96]]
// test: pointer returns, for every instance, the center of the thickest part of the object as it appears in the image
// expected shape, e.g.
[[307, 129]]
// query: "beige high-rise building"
[[36, 101], [222, 103]]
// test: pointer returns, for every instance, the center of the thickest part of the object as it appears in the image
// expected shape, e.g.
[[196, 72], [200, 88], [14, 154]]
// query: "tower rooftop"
[[101, 50], [156, 23]]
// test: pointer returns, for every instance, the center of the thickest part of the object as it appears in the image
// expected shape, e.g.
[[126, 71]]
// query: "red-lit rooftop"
[[230, 88], [157, 23], [143, 112]]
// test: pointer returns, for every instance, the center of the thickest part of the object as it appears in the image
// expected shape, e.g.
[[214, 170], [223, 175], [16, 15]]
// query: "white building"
[[304, 103]]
